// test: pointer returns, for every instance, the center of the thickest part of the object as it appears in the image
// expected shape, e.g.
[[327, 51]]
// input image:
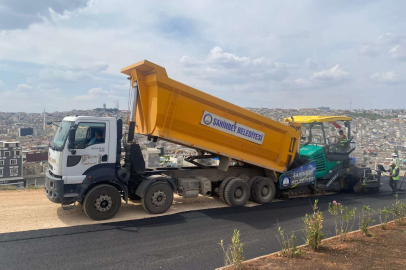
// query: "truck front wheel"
[[102, 202], [158, 198]]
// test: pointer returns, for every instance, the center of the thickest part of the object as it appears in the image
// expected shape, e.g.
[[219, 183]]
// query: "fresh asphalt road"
[[180, 241]]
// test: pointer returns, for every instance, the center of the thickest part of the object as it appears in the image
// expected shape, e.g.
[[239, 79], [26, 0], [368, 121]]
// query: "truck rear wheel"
[[102, 202], [222, 188], [158, 198], [237, 192], [263, 190], [250, 182]]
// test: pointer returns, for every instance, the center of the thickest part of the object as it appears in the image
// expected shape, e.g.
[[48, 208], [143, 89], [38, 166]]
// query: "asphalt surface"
[[180, 241]]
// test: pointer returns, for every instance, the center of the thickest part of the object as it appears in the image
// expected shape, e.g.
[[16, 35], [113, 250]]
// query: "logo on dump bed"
[[232, 127], [207, 119], [286, 182]]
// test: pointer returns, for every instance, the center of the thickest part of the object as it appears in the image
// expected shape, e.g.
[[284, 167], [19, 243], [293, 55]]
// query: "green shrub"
[[344, 219], [398, 210], [288, 246], [365, 219], [313, 224], [233, 254], [384, 217]]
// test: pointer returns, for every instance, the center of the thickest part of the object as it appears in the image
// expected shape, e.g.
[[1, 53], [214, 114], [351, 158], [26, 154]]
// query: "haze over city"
[[64, 55]]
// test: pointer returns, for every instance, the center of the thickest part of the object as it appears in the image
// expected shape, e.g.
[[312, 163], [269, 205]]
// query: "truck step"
[[68, 206]]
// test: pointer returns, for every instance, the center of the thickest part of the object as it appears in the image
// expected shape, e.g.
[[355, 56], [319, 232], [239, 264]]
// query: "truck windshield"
[[312, 134], [60, 136]]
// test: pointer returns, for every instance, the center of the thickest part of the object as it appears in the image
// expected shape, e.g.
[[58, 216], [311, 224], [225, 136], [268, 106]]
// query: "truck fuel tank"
[[205, 185], [188, 187]]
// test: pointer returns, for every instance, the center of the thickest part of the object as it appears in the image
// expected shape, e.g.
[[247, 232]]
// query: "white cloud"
[[50, 92], [96, 93], [303, 82], [310, 63], [23, 87], [324, 78], [390, 38], [370, 50], [388, 42], [388, 77], [188, 62], [223, 68], [218, 57], [335, 74], [120, 87], [1, 84], [57, 74], [398, 52]]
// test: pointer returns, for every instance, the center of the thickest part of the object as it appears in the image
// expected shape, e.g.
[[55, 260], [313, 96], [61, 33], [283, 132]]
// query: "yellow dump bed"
[[184, 115]]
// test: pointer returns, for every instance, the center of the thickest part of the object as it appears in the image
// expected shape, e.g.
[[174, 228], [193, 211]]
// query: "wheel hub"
[[238, 193], [103, 203], [158, 198], [264, 191]]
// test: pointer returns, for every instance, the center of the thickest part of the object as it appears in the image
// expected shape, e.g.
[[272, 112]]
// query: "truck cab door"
[[91, 148]]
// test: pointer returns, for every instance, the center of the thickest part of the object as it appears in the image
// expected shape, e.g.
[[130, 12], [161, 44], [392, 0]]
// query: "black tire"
[[263, 190], [251, 182], [102, 202], [222, 188], [350, 182], [158, 198], [237, 192]]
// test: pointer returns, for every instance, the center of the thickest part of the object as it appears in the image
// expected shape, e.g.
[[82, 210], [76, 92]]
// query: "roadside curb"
[[301, 246]]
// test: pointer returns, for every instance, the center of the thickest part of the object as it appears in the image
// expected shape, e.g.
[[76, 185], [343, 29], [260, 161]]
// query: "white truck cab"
[[84, 153]]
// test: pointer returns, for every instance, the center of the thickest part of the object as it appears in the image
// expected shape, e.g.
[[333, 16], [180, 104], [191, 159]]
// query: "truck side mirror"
[[119, 129], [71, 142]]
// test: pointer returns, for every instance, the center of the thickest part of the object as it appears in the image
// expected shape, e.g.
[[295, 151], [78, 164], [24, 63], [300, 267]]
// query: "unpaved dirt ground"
[[23, 210], [384, 249]]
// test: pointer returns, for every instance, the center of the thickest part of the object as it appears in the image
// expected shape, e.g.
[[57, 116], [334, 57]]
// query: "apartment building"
[[11, 163]]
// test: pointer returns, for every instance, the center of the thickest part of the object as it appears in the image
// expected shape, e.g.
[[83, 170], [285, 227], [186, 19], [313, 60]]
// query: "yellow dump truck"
[[253, 152], [172, 111]]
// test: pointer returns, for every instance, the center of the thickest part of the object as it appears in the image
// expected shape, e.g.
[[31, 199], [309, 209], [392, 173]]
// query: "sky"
[[60, 55]]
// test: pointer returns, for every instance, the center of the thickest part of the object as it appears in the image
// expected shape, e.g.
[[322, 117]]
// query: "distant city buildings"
[[25, 132], [323, 109], [11, 163]]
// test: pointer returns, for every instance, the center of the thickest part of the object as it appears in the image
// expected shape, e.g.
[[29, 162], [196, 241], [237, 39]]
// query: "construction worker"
[[394, 177], [395, 159], [342, 139]]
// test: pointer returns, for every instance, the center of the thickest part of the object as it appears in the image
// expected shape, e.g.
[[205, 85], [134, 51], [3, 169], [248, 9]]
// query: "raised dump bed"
[[181, 114]]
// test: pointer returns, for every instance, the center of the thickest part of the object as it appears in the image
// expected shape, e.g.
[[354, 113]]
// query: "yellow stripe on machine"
[[316, 119]]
